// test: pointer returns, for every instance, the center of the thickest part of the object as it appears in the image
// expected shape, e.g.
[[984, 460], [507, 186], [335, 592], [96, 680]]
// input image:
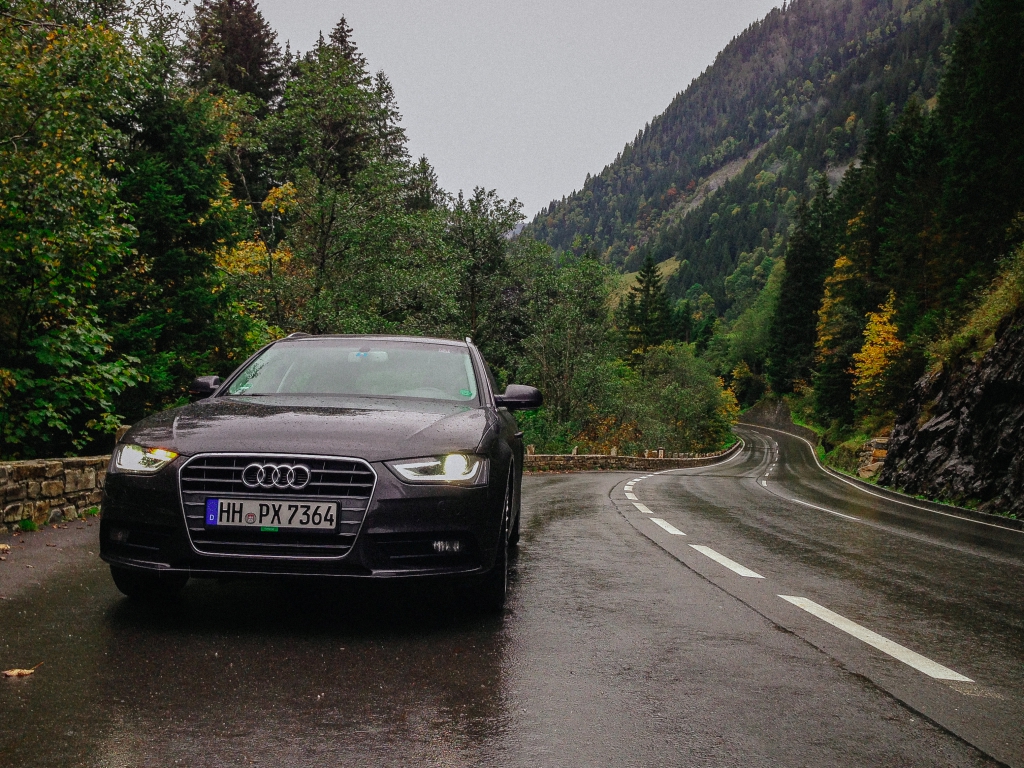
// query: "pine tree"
[[809, 256], [645, 313], [230, 44], [424, 192], [341, 39], [981, 106]]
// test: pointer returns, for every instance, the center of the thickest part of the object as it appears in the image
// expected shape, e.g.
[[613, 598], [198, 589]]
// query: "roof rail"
[[469, 340], [296, 335]]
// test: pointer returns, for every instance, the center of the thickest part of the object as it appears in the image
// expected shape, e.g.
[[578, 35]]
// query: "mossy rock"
[[846, 456]]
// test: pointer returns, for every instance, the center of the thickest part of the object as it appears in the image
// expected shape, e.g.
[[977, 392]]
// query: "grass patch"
[[91, 512], [801, 409], [975, 334], [28, 526]]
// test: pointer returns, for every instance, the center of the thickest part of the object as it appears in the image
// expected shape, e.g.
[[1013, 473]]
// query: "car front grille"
[[350, 482]]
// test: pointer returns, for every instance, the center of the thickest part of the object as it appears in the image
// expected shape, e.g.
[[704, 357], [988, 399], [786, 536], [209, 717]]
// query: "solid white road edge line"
[[885, 645], [732, 565], [642, 508], [865, 490], [667, 526]]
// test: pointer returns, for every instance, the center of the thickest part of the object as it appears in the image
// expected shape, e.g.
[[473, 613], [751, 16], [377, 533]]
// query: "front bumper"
[[143, 527]]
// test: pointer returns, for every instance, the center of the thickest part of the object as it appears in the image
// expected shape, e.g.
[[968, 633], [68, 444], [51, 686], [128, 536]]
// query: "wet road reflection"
[[258, 671]]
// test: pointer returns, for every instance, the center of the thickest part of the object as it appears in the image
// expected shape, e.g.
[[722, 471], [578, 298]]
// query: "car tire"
[[140, 585], [513, 536], [492, 591]]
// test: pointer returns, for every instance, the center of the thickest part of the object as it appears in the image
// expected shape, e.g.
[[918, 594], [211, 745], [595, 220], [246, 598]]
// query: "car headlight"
[[135, 458], [458, 468]]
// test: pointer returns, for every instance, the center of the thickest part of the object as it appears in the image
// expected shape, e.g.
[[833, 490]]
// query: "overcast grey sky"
[[525, 96]]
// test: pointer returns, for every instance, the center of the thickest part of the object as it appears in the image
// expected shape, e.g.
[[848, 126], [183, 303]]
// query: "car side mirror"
[[520, 398], [203, 386]]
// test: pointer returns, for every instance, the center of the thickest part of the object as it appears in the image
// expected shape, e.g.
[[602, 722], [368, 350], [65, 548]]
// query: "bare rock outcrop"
[[960, 436]]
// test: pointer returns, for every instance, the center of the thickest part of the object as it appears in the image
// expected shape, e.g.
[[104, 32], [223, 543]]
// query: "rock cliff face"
[[960, 436]]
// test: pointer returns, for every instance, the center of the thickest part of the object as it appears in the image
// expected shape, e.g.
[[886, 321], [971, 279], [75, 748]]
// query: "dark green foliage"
[[478, 234], [980, 114], [644, 317], [809, 259], [165, 303], [231, 46]]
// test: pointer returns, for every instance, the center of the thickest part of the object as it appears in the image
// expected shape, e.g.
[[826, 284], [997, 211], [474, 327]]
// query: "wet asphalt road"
[[623, 644]]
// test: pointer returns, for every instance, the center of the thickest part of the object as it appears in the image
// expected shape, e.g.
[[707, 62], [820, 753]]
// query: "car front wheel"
[[493, 589]]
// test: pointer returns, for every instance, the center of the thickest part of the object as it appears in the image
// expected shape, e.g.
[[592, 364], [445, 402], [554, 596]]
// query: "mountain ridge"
[[798, 84]]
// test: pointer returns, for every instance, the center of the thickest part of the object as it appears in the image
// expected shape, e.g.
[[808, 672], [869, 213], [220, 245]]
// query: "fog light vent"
[[118, 535], [448, 547]]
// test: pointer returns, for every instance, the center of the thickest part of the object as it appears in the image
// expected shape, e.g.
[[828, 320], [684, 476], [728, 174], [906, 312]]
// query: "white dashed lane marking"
[[667, 526], [895, 650], [884, 644], [732, 565]]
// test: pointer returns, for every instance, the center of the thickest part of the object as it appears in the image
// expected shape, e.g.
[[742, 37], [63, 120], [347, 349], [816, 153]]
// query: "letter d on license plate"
[[271, 514]]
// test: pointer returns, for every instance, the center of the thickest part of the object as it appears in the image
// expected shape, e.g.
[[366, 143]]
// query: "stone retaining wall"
[[49, 490], [592, 463]]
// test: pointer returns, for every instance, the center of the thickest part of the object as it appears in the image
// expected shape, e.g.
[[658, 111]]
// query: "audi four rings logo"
[[296, 476]]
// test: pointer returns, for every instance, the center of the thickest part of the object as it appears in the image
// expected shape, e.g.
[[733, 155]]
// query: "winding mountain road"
[[758, 612]]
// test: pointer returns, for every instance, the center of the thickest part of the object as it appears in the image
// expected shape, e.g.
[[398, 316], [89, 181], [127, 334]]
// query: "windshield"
[[368, 368]]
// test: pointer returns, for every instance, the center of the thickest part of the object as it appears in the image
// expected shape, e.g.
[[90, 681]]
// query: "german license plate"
[[271, 514]]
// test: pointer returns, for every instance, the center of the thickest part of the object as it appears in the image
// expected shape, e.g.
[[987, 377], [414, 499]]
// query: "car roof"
[[371, 337]]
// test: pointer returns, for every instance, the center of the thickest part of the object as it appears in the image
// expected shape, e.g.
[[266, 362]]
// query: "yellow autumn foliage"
[[251, 257], [283, 199], [882, 347]]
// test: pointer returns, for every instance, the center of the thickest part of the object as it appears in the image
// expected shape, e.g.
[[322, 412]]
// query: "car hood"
[[374, 430]]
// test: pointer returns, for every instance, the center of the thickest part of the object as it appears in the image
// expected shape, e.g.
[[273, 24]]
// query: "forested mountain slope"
[[787, 100]]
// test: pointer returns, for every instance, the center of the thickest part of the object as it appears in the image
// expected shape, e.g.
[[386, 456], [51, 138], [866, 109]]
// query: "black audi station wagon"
[[343, 456]]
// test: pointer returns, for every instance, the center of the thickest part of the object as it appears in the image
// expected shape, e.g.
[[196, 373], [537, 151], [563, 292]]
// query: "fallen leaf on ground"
[[21, 672], [30, 566], [5, 547]]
